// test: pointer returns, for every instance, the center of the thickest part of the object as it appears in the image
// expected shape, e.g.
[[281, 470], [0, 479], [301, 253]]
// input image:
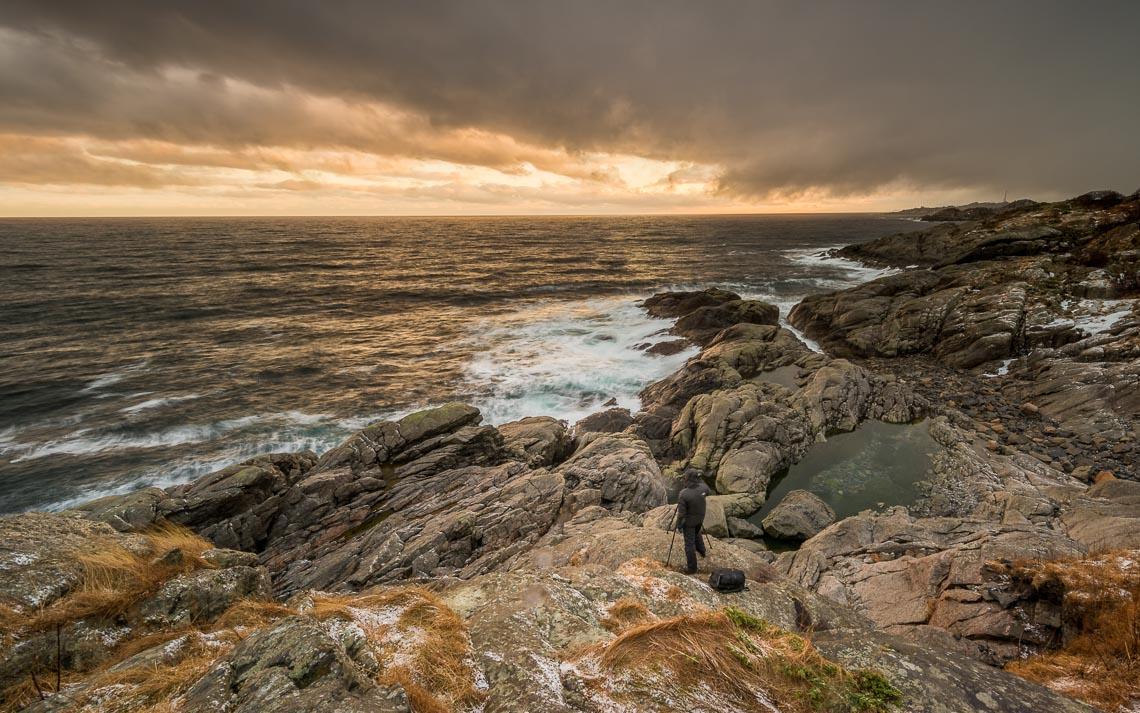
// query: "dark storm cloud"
[[841, 97]]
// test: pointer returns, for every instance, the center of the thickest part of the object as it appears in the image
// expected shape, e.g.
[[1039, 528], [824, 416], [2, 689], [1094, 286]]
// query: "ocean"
[[138, 352]]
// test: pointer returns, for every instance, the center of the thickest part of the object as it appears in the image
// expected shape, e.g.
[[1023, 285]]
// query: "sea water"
[[139, 352]]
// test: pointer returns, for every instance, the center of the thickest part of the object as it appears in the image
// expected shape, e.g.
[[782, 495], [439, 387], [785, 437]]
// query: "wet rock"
[[669, 348], [671, 305], [704, 323], [614, 420], [798, 516]]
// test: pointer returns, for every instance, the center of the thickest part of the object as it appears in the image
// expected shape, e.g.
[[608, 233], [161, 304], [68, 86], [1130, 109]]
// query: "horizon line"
[[451, 215]]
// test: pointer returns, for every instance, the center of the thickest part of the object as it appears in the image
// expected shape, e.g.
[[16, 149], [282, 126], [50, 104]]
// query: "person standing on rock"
[[691, 516]]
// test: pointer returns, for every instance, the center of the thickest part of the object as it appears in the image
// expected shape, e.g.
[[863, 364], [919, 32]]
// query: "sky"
[[345, 107]]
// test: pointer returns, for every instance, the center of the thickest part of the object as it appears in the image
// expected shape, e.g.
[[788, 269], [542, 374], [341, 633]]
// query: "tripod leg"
[[673, 527]]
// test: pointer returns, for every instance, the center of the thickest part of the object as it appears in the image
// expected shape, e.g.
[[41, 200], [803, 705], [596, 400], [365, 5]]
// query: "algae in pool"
[[878, 464]]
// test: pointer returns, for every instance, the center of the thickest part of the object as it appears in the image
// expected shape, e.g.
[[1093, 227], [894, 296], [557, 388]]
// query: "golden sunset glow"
[[529, 111]]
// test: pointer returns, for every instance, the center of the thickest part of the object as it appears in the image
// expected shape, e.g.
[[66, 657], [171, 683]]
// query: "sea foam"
[[567, 360]]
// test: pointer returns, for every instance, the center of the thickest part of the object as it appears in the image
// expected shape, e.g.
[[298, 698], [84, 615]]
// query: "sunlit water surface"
[[139, 352]]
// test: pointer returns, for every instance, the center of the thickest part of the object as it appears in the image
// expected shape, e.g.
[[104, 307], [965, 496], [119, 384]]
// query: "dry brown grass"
[[1101, 599], [425, 648], [735, 656], [252, 614], [421, 699], [420, 643], [151, 688], [115, 578], [626, 613]]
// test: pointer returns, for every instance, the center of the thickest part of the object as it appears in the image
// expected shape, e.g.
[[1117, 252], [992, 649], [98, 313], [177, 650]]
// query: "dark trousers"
[[694, 543]]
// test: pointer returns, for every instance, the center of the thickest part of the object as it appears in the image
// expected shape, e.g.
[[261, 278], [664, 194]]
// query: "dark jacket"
[[691, 505]]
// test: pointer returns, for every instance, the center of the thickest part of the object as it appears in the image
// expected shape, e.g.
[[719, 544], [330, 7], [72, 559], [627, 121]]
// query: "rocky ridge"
[[531, 533]]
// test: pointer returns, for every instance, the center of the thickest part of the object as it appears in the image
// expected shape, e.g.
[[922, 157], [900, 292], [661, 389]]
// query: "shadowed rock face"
[[1028, 285], [704, 323]]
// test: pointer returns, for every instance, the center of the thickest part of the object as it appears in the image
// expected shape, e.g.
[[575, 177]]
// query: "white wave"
[[112, 377], [186, 469], [331, 430], [852, 272], [567, 360], [785, 305], [156, 403]]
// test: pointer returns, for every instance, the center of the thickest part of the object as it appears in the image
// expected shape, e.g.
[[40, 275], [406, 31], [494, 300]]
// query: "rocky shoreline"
[[1013, 340]]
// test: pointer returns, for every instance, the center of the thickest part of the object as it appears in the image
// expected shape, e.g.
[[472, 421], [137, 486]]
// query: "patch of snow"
[[1002, 370], [1100, 324], [376, 618], [102, 696], [481, 683], [548, 675]]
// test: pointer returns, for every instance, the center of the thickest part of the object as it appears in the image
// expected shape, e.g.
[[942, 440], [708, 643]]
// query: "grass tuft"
[[737, 657], [1100, 597], [420, 643], [115, 579], [626, 613]]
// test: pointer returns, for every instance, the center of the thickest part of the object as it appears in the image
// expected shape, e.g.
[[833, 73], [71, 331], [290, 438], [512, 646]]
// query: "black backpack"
[[727, 580]]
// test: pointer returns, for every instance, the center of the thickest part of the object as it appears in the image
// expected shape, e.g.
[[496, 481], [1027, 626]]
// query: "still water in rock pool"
[[879, 464]]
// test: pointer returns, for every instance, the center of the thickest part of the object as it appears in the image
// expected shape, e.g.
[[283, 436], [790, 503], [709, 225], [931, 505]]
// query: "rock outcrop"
[[798, 516], [1035, 294], [73, 590]]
